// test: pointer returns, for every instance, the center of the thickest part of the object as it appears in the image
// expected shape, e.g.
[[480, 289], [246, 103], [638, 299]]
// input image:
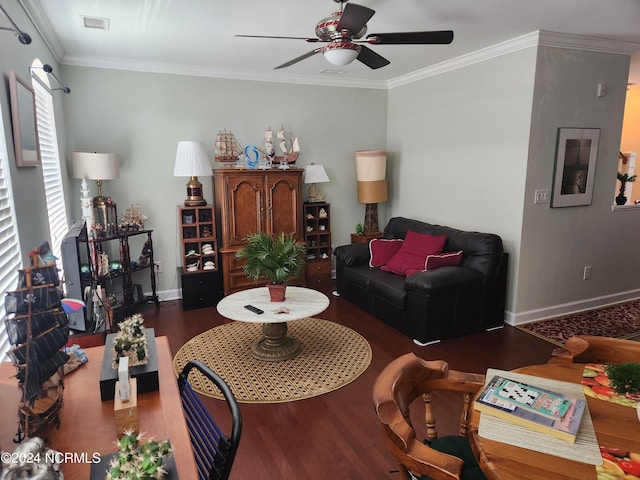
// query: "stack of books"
[[542, 410]]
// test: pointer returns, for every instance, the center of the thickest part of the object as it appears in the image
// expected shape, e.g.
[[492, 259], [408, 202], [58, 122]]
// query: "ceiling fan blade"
[[411, 38], [354, 17], [310, 40], [299, 59], [371, 59]]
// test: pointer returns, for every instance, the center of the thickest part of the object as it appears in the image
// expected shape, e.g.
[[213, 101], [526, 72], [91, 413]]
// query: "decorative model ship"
[[226, 147], [289, 146], [37, 326], [133, 218]]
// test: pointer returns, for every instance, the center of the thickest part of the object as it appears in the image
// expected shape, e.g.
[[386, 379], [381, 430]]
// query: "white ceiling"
[[197, 36]]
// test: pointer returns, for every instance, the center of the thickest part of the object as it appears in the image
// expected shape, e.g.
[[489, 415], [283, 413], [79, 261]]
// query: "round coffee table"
[[274, 345]]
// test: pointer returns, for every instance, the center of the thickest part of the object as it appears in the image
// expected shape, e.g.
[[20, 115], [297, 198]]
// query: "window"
[[10, 255], [54, 193]]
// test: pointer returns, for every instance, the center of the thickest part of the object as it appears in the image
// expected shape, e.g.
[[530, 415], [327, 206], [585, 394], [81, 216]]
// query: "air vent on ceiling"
[[96, 22], [328, 71]]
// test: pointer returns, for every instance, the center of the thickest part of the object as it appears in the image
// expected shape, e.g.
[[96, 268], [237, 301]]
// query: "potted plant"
[[624, 378], [277, 258], [621, 199], [144, 461]]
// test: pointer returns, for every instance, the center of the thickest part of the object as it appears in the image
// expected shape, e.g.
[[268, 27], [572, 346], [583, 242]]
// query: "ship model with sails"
[[287, 144], [37, 327], [226, 148]]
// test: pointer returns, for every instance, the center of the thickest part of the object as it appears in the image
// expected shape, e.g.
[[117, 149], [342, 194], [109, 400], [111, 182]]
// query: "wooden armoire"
[[251, 201]]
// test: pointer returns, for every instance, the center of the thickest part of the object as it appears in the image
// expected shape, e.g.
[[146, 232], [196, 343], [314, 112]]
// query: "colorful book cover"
[[537, 400], [565, 428]]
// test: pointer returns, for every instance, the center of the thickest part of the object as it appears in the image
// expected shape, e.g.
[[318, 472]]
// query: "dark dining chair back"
[[214, 451]]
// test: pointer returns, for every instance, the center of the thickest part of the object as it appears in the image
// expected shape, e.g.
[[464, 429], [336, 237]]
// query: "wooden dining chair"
[[439, 458], [214, 451], [594, 349]]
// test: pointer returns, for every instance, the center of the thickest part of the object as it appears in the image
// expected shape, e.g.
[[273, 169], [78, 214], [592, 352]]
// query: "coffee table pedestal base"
[[275, 346]]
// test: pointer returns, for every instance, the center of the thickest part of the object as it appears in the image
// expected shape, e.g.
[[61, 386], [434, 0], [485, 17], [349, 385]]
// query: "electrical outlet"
[[541, 196], [586, 275], [158, 265]]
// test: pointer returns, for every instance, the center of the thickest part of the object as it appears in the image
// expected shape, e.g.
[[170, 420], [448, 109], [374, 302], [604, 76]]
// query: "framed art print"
[[575, 167]]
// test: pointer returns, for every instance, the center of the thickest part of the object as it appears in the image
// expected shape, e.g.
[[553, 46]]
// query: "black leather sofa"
[[435, 304]]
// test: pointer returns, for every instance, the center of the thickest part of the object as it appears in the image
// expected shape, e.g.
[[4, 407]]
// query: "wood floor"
[[336, 435]]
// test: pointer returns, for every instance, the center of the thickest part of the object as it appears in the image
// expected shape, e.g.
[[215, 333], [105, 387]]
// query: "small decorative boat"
[[226, 147]]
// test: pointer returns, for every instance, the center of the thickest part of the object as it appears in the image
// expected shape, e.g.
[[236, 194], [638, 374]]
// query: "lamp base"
[[371, 219], [194, 193]]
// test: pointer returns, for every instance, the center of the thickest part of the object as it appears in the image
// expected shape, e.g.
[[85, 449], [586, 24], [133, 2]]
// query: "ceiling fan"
[[342, 30]]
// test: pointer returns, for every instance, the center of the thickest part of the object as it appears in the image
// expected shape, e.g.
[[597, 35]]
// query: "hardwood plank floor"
[[337, 435]]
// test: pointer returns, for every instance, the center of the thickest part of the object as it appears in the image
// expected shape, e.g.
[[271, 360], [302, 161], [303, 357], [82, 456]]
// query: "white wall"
[[142, 116], [460, 143]]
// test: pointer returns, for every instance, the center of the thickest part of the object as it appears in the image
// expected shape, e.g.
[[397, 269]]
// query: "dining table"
[[87, 430], [617, 429]]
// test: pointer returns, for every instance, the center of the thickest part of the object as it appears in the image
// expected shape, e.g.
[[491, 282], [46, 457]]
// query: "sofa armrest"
[[443, 278], [354, 254]]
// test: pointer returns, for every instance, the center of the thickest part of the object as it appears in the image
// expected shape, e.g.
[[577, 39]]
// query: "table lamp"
[[315, 174], [98, 167], [192, 160], [372, 185]]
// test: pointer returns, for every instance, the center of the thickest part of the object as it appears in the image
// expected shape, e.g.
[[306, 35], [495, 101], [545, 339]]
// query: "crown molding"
[[201, 71], [539, 38], [42, 25]]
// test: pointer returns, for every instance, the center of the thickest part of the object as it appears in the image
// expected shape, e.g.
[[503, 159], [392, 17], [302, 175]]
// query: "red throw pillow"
[[451, 259], [413, 253], [382, 250]]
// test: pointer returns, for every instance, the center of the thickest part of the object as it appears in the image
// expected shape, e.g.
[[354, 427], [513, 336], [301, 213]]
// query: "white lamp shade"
[[95, 166], [315, 174], [192, 160], [371, 166], [341, 54]]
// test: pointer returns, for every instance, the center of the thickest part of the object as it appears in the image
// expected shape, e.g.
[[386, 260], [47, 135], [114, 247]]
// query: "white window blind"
[[10, 256], [54, 193]]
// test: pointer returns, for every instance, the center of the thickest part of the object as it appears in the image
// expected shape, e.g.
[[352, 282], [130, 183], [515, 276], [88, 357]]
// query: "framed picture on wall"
[[575, 167], [23, 121]]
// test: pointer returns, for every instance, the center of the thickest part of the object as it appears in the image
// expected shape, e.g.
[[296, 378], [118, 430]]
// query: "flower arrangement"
[[142, 462], [131, 341]]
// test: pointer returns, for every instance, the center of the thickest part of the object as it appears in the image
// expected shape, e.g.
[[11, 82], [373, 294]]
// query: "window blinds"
[[10, 256]]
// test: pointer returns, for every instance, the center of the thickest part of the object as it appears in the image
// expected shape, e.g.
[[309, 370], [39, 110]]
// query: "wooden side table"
[[365, 238]]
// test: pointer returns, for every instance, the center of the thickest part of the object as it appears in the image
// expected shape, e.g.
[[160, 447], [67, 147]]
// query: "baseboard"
[[567, 308]]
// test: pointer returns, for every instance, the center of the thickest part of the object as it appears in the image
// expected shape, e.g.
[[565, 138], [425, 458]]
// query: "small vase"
[[276, 292], [621, 200]]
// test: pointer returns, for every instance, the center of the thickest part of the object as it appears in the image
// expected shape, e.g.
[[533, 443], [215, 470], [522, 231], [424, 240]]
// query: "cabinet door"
[[246, 208], [283, 204]]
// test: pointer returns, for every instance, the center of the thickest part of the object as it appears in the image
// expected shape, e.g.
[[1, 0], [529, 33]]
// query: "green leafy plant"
[[359, 230], [140, 462], [624, 377], [277, 258]]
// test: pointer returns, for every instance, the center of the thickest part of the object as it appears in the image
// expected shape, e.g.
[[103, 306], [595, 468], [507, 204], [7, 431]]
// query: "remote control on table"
[[254, 309]]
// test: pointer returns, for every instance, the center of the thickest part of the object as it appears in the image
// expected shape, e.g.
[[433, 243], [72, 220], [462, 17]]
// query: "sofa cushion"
[[383, 250], [450, 259], [388, 287], [414, 251]]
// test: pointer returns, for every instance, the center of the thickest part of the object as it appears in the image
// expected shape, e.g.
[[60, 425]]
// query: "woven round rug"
[[332, 356]]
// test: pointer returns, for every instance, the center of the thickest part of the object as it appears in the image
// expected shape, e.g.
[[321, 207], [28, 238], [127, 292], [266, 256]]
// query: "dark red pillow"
[[382, 250], [450, 259], [414, 251]]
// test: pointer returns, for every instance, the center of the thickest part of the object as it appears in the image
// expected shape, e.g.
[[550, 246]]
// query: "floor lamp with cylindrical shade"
[[371, 166]]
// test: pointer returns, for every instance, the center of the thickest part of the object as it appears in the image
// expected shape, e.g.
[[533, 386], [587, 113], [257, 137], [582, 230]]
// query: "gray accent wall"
[[143, 116]]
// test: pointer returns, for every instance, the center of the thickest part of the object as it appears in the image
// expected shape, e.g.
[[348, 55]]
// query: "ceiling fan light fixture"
[[342, 53]]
